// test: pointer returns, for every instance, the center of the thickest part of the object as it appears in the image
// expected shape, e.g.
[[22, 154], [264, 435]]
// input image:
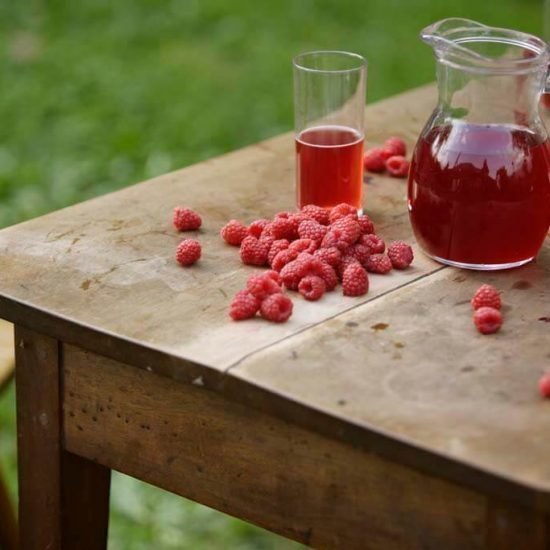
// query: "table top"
[[400, 371]]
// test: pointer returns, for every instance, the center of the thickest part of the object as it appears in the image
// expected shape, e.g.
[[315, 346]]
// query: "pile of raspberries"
[[389, 157], [310, 251]]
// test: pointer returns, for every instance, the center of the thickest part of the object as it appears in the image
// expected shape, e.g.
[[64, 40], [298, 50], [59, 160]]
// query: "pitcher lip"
[[449, 36]]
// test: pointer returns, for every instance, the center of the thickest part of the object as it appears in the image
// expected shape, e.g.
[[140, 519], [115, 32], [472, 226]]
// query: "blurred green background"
[[98, 94]]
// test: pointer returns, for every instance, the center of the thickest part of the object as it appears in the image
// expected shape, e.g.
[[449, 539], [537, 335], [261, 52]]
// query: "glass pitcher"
[[479, 184]]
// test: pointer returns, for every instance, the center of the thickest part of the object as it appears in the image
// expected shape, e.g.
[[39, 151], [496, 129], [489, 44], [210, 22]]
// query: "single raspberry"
[[243, 306], [373, 242], [283, 228], [282, 258], [401, 254], [262, 285], [317, 213], [253, 252], [361, 252], [335, 238], [544, 385], [293, 272], [257, 226], [275, 248], [234, 232], [310, 229], [295, 219], [267, 239], [349, 226], [396, 145], [355, 281], [366, 225], [312, 287], [487, 320], [347, 260], [486, 296], [378, 263], [341, 210], [185, 219], [276, 308], [188, 252], [303, 245], [327, 273], [374, 160], [272, 274], [398, 166], [330, 255]]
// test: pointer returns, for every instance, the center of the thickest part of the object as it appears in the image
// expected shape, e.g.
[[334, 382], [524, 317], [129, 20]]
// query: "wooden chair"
[[8, 529]]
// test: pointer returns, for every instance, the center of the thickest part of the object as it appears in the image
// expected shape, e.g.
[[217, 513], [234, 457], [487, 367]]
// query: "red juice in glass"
[[479, 195], [329, 166]]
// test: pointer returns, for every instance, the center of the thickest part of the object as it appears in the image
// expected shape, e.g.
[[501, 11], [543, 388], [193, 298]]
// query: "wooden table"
[[384, 421]]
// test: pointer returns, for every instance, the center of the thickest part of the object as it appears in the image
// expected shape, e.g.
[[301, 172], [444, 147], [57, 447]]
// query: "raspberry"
[[262, 285], [396, 145], [317, 213], [487, 320], [275, 248], [327, 273], [374, 160], [282, 258], [312, 287], [243, 306], [234, 232], [185, 219], [486, 296], [294, 219], [401, 254], [283, 228], [253, 252], [365, 224], [378, 263], [342, 210], [355, 281], [310, 229], [544, 385], [188, 252], [330, 255], [374, 243], [276, 308], [335, 238], [303, 245], [266, 239], [361, 252], [257, 226], [398, 166], [349, 226], [272, 274], [293, 272], [347, 260]]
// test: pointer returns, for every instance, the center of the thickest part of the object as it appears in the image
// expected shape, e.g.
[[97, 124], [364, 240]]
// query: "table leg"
[[63, 498]]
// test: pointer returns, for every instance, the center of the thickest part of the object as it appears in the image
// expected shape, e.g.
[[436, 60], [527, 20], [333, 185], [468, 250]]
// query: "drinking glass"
[[329, 104]]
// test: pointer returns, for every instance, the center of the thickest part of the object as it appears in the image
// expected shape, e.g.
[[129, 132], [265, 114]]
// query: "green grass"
[[98, 94]]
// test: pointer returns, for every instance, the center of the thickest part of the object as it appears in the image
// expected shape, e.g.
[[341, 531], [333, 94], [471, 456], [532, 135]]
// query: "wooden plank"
[[411, 364], [307, 487], [54, 487], [108, 266]]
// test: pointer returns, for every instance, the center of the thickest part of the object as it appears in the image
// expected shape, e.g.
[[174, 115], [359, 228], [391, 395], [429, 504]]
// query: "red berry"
[[396, 145], [350, 228], [282, 258], [487, 320], [373, 242], [327, 273], [283, 228], [303, 245], [486, 296], [365, 224], [544, 385], [342, 210], [378, 263], [310, 229], [253, 251], [374, 160], [185, 219], [361, 252], [355, 281], [317, 213], [398, 166], [331, 255], [272, 274], [347, 260], [401, 254], [257, 226], [243, 306], [293, 272], [262, 285], [335, 238], [312, 287], [275, 248], [188, 252], [276, 308], [234, 232]]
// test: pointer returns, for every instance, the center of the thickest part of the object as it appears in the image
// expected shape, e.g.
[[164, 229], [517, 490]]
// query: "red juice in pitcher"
[[329, 166], [479, 195]]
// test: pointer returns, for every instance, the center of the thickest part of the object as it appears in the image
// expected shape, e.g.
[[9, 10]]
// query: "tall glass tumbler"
[[329, 104]]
